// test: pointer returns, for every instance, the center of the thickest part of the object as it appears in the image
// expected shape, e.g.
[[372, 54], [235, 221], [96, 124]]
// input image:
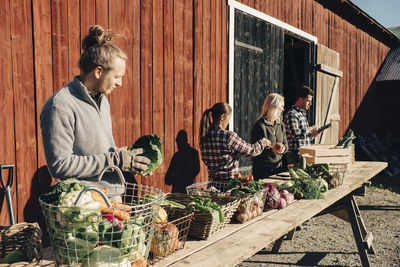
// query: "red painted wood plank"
[[169, 137], [213, 45], [88, 15], [263, 6], [74, 42], [146, 69], [24, 105], [135, 127], [206, 58], [7, 148], [158, 88], [43, 64], [198, 79], [119, 97], [218, 51], [188, 69], [59, 24], [101, 13], [178, 65], [224, 51]]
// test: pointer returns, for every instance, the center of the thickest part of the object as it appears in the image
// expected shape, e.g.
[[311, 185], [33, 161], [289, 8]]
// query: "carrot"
[[119, 210], [121, 206], [117, 213]]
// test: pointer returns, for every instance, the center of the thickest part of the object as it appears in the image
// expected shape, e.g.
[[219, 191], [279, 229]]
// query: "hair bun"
[[97, 37]]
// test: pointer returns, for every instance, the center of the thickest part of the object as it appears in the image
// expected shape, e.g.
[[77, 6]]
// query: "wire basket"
[[203, 224], [250, 207], [207, 189], [25, 238], [85, 234], [338, 171], [170, 236]]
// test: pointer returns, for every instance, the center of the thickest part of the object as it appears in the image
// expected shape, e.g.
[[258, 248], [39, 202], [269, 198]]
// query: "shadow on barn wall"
[[184, 166], [41, 183]]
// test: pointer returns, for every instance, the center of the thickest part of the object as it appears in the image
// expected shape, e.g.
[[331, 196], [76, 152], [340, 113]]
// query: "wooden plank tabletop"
[[238, 242]]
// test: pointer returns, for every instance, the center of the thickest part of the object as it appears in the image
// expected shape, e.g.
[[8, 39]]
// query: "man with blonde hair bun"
[[270, 126], [76, 122]]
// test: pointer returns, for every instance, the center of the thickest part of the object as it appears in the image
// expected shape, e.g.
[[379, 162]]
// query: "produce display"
[[91, 233], [251, 191], [99, 232], [250, 207], [276, 199], [152, 149], [243, 185], [205, 205], [310, 181], [347, 139]]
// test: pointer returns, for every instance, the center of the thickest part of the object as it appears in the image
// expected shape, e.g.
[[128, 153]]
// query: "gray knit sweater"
[[77, 136]]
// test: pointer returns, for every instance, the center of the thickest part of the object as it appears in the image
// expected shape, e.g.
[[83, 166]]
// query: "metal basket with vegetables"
[[87, 229], [171, 230], [249, 192], [207, 189]]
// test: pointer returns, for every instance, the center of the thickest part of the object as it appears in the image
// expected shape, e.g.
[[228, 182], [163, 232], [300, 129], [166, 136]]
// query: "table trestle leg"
[[362, 237]]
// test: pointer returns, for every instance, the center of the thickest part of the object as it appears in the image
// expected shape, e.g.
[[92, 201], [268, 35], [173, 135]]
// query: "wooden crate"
[[327, 154]]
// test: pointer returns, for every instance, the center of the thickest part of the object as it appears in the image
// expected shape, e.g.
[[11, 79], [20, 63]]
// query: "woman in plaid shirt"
[[220, 149]]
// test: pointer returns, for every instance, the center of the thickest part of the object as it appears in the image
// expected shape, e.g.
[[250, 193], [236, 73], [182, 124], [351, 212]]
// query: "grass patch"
[[391, 183]]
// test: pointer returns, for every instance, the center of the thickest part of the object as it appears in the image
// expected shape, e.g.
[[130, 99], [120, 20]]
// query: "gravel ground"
[[328, 240]]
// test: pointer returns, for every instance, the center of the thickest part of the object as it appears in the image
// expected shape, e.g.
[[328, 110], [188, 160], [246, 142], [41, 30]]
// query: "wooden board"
[[315, 154], [327, 94], [245, 240]]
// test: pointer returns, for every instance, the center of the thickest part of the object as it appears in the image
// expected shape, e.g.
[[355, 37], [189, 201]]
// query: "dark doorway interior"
[[298, 70]]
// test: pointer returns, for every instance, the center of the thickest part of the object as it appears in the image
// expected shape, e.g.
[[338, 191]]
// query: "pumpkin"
[[165, 239]]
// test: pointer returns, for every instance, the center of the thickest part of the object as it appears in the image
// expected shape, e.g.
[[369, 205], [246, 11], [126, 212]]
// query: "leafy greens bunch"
[[152, 149]]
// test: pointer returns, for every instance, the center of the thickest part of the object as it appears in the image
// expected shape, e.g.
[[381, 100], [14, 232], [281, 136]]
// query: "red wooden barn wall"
[[177, 67]]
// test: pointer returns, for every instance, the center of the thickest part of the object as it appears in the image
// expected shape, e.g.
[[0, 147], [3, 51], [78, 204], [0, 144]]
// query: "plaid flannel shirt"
[[296, 129], [221, 152]]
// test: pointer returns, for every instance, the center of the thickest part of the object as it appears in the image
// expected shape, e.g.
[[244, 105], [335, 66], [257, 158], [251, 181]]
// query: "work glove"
[[129, 160]]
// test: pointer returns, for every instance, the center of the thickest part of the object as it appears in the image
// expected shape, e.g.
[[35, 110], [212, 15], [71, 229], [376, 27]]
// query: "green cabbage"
[[152, 149], [60, 188]]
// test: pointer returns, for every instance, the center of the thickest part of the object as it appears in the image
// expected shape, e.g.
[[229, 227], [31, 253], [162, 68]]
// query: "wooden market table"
[[238, 242]]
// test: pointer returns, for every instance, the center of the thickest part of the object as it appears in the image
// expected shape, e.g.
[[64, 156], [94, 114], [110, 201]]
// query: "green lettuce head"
[[152, 150]]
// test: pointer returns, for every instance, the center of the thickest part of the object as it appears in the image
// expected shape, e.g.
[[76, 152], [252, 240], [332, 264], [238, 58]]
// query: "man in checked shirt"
[[298, 132]]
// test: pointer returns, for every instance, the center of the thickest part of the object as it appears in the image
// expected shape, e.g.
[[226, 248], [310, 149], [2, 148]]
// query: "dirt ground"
[[329, 241]]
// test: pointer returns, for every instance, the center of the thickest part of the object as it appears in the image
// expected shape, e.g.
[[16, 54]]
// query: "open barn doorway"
[[267, 59], [298, 70]]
